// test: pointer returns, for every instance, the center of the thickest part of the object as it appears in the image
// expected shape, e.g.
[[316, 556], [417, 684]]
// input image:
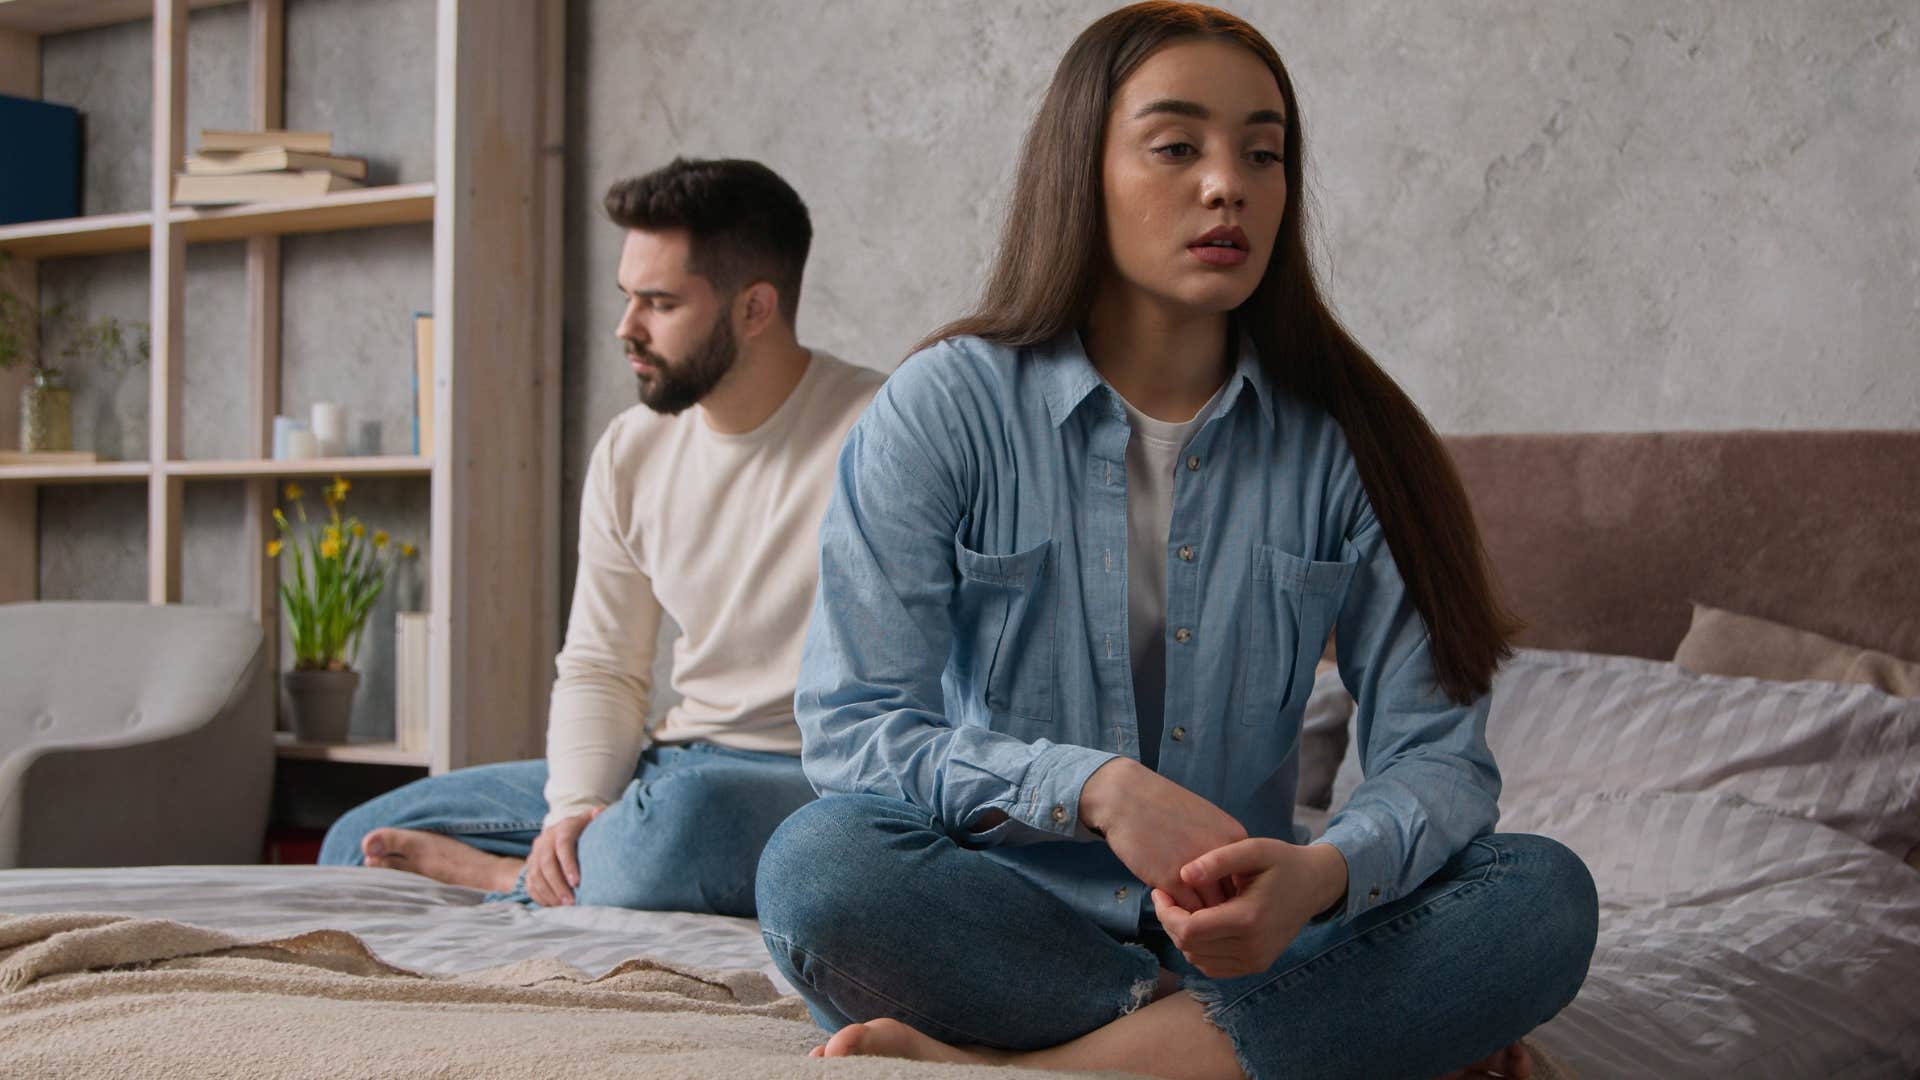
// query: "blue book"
[[42, 177]]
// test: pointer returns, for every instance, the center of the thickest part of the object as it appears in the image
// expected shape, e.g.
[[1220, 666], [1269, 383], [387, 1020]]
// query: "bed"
[[1747, 835]]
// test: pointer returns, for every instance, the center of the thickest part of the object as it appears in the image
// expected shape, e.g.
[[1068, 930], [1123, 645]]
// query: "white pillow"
[[1847, 757]]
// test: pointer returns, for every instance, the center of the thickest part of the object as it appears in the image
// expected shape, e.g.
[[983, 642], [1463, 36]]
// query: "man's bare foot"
[[891, 1038], [441, 858], [1515, 1063]]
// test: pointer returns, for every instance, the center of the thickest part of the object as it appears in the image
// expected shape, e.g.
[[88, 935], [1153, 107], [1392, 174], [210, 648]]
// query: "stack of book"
[[256, 166]]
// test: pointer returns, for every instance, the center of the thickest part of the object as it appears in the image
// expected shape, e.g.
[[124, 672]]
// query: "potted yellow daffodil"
[[338, 573]]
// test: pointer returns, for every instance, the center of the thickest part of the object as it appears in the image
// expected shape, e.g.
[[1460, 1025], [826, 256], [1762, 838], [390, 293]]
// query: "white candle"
[[330, 427], [302, 444], [284, 426]]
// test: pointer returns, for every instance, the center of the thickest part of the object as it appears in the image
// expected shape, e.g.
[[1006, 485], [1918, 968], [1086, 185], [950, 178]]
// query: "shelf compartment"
[[383, 752], [99, 472], [100, 234], [401, 465]]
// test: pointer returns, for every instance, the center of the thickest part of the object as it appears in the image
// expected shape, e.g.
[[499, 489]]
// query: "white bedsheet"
[[404, 918], [1735, 940]]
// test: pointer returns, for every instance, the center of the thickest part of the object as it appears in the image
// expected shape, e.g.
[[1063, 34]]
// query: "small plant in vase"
[[339, 570], [46, 405]]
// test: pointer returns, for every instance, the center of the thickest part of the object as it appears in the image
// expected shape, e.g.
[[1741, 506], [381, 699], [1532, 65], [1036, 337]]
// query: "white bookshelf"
[[493, 471]]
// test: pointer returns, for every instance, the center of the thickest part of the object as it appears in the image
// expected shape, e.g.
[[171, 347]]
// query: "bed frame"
[[1600, 541]]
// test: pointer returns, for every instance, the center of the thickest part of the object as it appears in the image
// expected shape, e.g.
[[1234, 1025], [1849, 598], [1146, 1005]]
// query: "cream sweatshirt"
[[721, 532]]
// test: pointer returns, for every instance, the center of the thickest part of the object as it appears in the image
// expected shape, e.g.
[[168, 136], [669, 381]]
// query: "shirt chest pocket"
[[1290, 610], [1004, 628]]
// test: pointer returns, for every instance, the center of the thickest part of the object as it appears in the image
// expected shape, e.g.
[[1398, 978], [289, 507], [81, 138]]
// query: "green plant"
[[339, 571], [112, 343], [19, 323]]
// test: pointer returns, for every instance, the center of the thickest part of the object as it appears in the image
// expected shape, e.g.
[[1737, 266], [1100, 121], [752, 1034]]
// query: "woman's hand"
[[1156, 827], [1276, 888]]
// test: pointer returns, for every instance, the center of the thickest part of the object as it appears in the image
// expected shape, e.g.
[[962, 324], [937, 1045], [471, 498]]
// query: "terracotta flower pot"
[[322, 703]]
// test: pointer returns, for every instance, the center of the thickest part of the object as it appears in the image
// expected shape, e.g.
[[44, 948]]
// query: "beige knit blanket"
[[109, 996]]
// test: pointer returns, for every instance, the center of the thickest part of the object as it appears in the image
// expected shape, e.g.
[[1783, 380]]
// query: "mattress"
[[1702, 965]]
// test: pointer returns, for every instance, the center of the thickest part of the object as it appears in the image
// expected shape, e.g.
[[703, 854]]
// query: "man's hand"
[[1156, 827], [1276, 888], [553, 866]]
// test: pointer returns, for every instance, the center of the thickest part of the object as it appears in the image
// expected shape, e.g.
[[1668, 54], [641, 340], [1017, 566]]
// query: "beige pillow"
[[1726, 643]]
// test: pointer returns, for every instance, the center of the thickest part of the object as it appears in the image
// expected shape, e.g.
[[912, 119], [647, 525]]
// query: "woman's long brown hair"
[[1054, 247]]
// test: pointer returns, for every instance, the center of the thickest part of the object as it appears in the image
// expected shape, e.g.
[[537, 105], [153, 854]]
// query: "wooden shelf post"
[[496, 454], [19, 504], [168, 256], [267, 51]]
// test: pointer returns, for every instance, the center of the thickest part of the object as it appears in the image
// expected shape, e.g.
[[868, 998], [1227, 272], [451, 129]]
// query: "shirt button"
[[1183, 635], [1193, 463], [1373, 894], [1179, 733], [1120, 893], [1060, 815], [1186, 553]]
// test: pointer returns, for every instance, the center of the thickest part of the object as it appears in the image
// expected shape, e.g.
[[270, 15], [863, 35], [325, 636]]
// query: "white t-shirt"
[[722, 533], [1153, 453]]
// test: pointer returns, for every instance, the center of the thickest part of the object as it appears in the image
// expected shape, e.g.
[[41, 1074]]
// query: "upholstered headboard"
[[1600, 541]]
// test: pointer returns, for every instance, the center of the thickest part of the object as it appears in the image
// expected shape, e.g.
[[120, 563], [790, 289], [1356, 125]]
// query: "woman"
[[1084, 551]]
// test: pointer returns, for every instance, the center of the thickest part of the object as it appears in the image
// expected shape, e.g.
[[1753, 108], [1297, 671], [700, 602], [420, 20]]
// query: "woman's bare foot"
[[891, 1038], [441, 858], [1515, 1063]]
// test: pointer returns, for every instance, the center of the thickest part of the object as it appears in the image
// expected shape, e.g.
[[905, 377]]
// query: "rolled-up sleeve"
[[1431, 785], [870, 700]]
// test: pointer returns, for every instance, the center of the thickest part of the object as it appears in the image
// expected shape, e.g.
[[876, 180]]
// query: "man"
[[704, 502]]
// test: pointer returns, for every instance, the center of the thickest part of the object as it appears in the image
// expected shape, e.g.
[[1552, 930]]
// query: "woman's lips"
[[1215, 255]]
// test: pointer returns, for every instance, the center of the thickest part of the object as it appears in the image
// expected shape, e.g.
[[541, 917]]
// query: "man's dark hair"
[[744, 223]]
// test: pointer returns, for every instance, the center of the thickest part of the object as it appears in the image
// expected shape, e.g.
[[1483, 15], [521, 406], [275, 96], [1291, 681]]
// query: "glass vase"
[[46, 414]]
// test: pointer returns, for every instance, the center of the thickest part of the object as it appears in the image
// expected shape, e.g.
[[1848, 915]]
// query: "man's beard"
[[673, 387]]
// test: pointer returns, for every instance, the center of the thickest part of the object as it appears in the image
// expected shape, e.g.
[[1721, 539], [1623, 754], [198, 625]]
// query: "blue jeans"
[[685, 835], [871, 908]]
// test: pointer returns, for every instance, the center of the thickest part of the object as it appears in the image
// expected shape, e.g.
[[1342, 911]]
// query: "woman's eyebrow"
[[1178, 107]]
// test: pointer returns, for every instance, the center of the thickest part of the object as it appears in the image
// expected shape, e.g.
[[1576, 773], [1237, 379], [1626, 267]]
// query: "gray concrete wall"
[[1541, 217], [1550, 217]]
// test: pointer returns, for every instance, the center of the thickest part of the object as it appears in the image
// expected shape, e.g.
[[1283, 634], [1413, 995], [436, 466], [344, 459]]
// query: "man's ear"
[[760, 306]]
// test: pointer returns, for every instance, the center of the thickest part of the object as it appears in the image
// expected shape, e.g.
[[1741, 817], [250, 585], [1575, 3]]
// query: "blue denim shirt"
[[968, 644]]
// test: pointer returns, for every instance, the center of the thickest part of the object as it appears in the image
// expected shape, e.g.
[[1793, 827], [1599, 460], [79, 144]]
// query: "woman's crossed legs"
[[882, 920]]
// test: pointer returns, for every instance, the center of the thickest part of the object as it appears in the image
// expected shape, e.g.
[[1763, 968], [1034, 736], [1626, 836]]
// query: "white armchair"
[[132, 734]]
